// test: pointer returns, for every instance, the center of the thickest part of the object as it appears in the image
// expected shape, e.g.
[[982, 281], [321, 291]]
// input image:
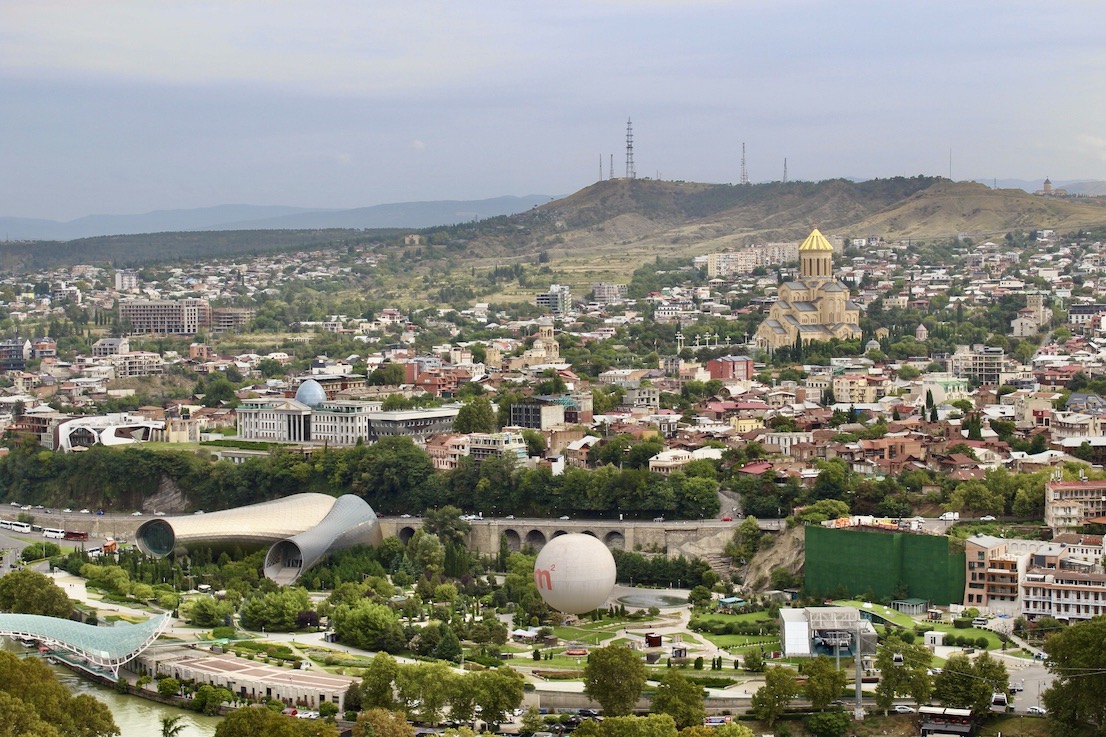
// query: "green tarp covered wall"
[[863, 562]]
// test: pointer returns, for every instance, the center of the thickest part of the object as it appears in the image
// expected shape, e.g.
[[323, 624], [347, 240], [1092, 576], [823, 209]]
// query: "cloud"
[[333, 46], [418, 145]]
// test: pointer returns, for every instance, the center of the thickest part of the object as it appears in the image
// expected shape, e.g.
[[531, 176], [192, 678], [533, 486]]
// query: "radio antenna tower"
[[744, 171], [785, 169], [610, 169], [630, 173]]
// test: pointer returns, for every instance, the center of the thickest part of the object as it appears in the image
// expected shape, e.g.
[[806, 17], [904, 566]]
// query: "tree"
[[20, 718], [171, 726], [733, 729], [476, 416], [772, 699], [208, 699], [824, 682], [754, 661], [822, 510], [968, 684], [498, 691], [904, 670], [654, 725], [168, 687], [446, 523], [680, 698], [259, 721], [27, 591], [382, 723], [448, 647], [34, 703], [531, 721], [377, 691], [828, 724], [614, 676], [424, 689], [1077, 661]]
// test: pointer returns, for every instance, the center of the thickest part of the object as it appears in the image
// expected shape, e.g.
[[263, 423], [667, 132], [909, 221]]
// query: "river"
[[136, 717]]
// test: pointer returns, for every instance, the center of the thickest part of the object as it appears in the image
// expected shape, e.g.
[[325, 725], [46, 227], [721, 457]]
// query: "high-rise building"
[[557, 300]]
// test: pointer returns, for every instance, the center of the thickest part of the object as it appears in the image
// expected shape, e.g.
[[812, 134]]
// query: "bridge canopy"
[[108, 647]]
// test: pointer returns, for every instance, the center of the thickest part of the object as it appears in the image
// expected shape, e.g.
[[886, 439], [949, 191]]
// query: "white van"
[[949, 517]]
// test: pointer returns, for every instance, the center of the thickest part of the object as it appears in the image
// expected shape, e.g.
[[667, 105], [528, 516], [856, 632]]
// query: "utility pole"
[[858, 710]]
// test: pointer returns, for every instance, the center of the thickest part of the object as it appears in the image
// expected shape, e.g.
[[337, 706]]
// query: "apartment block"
[[166, 316], [1072, 504]]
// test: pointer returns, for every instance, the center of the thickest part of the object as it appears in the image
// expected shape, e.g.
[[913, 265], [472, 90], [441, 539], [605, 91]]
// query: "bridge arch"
[[615, 539], [558, 533], [514, 541], [535, 539], [405, 534]]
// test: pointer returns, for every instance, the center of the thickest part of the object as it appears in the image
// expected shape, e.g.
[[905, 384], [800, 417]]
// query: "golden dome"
[[816, 242]]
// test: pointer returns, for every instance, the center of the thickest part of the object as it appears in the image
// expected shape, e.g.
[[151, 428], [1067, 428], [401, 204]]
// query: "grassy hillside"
[[947, 208], [604, 231]]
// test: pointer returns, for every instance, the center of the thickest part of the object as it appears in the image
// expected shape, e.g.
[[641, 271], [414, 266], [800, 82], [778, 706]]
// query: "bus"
[[54, 533], [74, 535], [8, 524]]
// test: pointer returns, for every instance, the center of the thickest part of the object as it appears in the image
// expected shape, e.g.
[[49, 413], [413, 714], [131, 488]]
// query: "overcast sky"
[[126, 107]]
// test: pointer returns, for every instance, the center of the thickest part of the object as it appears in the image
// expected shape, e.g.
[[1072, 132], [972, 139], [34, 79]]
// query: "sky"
[[120, 107]]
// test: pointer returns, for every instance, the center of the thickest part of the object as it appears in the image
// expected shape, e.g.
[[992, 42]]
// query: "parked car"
[[1038, 710], [903, 709], [564, 516], [727, 518], [988, 518], [136, 514], [85, 511], [658, 519]]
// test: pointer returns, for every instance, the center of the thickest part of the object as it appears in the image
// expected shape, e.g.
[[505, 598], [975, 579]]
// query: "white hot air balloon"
[[574, 573]]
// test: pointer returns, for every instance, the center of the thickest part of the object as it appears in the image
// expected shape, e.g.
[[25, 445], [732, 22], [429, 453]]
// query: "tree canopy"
[[29, 592], [615, 676]]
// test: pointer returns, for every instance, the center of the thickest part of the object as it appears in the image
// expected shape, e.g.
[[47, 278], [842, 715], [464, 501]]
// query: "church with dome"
[[816, 307]]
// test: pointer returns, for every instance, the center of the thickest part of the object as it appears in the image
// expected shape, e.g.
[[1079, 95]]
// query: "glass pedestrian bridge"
[[104, 647]]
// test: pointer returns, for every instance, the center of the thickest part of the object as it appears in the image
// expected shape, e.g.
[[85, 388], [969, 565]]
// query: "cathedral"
[[814, 308]]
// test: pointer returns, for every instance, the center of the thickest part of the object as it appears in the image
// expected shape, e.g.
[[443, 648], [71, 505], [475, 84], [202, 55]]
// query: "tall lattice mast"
[[744, 171], [785, 169], [630, 173]]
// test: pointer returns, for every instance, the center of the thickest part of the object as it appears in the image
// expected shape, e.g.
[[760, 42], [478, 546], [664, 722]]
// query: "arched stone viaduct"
[[691, 537]]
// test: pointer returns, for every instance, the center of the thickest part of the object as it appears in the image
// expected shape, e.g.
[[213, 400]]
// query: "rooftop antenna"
[[744, 171], [630, 173], [784, 168]]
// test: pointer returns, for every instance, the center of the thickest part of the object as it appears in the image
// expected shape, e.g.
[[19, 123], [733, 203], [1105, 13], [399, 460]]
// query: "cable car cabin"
[[897, 659]]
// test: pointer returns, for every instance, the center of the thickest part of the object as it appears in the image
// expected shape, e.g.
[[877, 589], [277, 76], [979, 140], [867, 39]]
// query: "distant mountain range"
[[257, 217]]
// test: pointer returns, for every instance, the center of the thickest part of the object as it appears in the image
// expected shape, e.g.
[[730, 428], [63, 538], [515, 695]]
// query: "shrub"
[[981, 642], [699, 663], [962, 623]]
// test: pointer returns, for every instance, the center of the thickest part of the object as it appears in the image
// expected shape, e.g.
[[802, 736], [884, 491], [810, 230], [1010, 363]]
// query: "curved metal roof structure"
[[302, 529], [255, 525], [311, 393], [351, 521], [107, 647]]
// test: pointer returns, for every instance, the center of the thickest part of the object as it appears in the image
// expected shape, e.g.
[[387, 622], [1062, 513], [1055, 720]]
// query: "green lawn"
[[883, 612]]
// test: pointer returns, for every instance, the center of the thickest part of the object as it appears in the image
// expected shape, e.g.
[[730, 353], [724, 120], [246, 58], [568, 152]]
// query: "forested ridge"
[[393, 475]]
